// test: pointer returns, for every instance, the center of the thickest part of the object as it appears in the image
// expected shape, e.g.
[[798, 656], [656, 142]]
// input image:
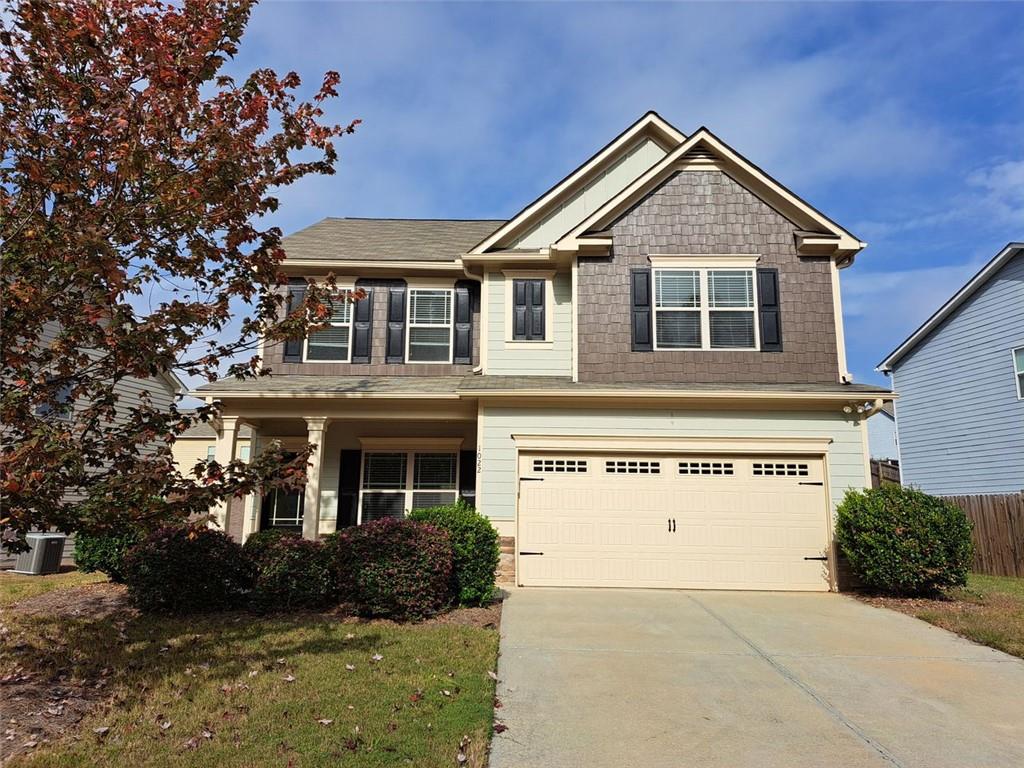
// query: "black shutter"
[[640, 307], [362, 328], [528, 310], [770, 317], [463, 352], [293, 347], [519, 313], [396, 324], [467, 476], [348, 488], [536, 301]]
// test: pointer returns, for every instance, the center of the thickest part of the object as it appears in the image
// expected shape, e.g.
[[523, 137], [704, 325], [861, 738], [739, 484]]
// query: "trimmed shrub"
[[105, 552], [189, 569], [290, 572], [398, 569], [475, 549], [903, 541]]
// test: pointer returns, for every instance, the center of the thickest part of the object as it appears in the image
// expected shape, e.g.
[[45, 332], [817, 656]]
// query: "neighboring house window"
[[528, 310], [333, 342], [430, 325], [704, 309], [1018, 368], [61, 407], [211, 452], [394, 482], [244, 453]]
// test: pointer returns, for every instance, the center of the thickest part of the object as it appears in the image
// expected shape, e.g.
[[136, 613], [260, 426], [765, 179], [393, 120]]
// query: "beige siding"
[[498, 453], [591, 197], [188, 451], [541, 359]]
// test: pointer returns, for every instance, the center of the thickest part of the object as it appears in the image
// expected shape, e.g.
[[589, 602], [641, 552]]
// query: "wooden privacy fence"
[[884, 472], [998, 532]]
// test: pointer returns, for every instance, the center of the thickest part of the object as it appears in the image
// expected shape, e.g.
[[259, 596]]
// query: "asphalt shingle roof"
[[435, 240]]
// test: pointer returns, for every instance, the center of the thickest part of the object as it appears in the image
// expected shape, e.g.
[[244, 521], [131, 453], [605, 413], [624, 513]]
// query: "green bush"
[[903, 541], [397, 569], [105, 552], [290, 572], [188, 569], [475, 549]]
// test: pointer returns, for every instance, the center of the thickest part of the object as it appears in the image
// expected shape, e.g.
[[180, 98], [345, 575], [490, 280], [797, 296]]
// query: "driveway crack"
[[792, 678]]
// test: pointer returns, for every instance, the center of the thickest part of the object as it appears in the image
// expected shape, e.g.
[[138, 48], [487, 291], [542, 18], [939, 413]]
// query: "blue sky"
[[904, 122]]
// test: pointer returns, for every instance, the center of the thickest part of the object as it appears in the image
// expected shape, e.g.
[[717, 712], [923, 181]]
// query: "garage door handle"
[[815, 558], [810, 482], [531, 553]]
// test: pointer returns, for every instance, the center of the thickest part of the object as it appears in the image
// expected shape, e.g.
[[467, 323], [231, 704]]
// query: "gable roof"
[[942, 313], [650, 125], [384, 240], [703, 146]]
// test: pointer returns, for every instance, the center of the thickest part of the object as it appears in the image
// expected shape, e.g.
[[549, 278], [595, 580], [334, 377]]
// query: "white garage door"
[[680, 521]]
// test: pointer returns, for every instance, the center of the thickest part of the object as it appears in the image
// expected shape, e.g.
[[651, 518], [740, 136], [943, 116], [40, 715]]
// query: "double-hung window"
[[704, 309], [394, 482], [430, 325], [333, 342], [1018, 368]]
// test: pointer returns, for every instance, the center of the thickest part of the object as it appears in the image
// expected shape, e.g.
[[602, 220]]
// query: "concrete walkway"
[[746, 679]]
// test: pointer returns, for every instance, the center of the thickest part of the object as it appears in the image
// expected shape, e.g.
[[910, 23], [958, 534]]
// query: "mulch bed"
[[39, 709]]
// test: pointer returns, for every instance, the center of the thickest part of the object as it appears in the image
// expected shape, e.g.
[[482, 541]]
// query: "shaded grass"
[[214, 690], [16, 586], [989, 610]]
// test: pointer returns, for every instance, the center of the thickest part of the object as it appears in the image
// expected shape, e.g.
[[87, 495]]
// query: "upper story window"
[[430, 325], [62, 406], [1018, 369], [704, 309], [333, 342]]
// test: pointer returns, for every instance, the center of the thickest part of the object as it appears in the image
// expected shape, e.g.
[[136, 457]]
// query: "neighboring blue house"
[[960, 381], [882, 434]]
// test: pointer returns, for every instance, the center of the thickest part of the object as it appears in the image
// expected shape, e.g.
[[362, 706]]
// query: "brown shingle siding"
[[706, 212]]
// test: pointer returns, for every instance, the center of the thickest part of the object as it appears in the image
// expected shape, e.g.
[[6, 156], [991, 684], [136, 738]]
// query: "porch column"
[[315, 427], [224, 452], [252, 503]]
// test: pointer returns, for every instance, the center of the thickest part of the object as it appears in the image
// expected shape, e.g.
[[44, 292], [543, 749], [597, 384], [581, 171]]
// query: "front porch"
[[372, 459]]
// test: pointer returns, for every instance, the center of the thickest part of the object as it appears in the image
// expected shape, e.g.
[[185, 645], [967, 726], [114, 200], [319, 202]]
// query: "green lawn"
[[15, 586], [989, 610], [240, 690]]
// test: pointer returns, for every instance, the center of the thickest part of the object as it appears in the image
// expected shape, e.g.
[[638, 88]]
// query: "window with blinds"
[[332, 342], [704, 309], [396, 482], [430, 325]]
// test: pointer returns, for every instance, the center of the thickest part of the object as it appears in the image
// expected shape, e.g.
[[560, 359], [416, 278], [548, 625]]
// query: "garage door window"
[[632, 467], [780, 469], [706, 468], [570, 466], [398, 481]]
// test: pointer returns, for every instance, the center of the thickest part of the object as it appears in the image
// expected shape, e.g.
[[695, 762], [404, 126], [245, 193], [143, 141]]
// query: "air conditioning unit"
[[43, 556]]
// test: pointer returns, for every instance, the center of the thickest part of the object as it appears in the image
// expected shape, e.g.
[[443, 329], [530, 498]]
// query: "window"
[[704, 309], [571, 466], [706, 468], [633, 467], [779, 469], [61, 407], [430, 325], [332, 343], [1018, 368], [528, 310], [283, 508], [395, 482], [211, 452]]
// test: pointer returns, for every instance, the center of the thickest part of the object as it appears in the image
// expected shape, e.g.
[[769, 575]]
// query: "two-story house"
[[960, 417], [639, 378]]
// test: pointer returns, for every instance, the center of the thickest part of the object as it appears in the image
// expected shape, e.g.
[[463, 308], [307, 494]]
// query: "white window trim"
[[441, 285], [1017, 372], [548, 276], [344, 289], [410, 469], [704, 307]]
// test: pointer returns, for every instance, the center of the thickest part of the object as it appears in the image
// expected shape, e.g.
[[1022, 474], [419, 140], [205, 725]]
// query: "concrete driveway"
[[734, 679]]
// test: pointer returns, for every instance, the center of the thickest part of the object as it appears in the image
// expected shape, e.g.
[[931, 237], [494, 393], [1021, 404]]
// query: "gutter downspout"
[[479, 278]]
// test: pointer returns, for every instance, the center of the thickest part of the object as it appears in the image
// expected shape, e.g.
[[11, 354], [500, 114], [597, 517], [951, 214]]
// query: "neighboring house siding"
[[706, 212], [587, 200], [960, 423], [529, 358], [882, 437], [846, 464], [273, 353]]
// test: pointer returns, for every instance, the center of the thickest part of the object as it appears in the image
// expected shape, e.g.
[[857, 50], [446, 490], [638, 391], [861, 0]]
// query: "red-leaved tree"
[[134, 182]]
